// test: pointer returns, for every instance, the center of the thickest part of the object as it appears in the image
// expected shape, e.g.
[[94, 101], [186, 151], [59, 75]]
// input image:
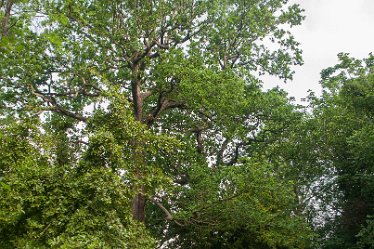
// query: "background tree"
[[339, 131]]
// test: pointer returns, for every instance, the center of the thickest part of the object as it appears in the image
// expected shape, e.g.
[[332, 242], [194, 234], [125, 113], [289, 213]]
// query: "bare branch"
[[199, 140], [169, 216], [44, 231], [55, 106], [221, 151], [147, 52], [72, 93], [70, 114], [146, 94], [163, 104], [162, 45]]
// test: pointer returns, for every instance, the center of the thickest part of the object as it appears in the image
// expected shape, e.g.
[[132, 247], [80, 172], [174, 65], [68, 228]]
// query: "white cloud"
[[331, 26]]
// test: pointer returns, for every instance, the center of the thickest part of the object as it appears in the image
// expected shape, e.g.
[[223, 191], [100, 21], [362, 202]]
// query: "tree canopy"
[[144, 124]]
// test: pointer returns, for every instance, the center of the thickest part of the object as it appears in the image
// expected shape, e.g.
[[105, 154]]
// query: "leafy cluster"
[[143, 124]]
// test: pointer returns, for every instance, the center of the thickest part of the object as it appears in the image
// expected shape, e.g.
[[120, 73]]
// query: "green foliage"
[[366, 235], [344, 117], [247, 206], [147, 108], [66, 206]]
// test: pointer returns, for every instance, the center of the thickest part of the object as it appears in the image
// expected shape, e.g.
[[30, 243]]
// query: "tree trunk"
[[138, 206], [5, 21], [138, 203]]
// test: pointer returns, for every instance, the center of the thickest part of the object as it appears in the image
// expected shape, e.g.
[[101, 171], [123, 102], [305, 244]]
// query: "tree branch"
[[221, 151], [200, 144], [162, 105], [146, 94], [169, 216], [55, 106]]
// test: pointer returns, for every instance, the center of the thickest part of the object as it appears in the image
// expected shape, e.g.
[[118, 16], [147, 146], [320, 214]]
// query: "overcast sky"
[[330, 27]]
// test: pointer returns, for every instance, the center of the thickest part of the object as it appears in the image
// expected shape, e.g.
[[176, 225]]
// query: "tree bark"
[[138, 203], [5, 21], [137, 94]]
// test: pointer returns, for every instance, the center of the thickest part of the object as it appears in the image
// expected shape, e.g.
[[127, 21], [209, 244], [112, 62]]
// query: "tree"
[[187, 119], [49, 204], [344, 117]]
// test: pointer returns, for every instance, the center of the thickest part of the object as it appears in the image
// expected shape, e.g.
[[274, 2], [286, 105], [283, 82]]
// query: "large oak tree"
[[168, 95]]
